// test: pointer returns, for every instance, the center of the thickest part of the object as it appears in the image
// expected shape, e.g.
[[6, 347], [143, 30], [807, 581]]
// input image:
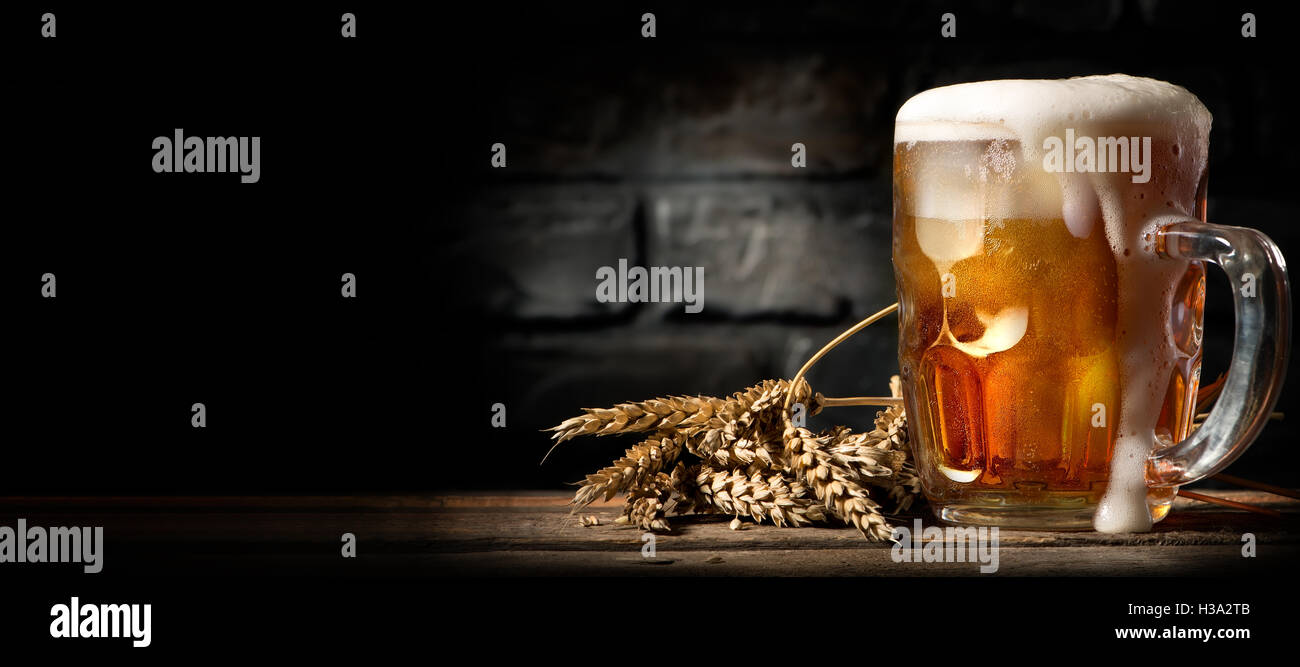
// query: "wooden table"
[[532, 533]]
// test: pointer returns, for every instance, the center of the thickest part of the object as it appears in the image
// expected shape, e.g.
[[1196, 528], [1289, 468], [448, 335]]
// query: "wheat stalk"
[[656, 414], [755, 461], [759, 497], [650, 503], [739, 415], [891, 433], [638, 465], [752, 460], [838, 479], [756, 450]]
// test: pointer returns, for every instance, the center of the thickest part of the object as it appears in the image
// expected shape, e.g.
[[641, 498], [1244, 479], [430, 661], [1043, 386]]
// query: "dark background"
[[476, 285]]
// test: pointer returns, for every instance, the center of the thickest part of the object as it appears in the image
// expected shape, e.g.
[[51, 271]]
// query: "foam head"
[[1029, 110], [982, 148]]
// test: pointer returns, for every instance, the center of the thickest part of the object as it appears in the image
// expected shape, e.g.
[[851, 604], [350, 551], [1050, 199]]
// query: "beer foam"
[[1115, 105], [1031, 110]]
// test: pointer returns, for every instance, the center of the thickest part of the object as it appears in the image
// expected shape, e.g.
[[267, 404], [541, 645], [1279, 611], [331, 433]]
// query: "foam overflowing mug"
[[1049, 247]]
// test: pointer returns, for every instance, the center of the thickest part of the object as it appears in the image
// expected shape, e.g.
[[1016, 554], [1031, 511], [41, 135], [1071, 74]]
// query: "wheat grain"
[[746, 412], [756, 450], [771, 497], [648, 503], [651, 503], [838, 480], [637, 466], [673, 412]]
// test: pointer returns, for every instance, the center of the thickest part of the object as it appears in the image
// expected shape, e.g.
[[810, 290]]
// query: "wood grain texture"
[[533, 534]]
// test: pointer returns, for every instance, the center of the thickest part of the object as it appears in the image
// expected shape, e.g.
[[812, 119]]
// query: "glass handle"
[[1261, 297]]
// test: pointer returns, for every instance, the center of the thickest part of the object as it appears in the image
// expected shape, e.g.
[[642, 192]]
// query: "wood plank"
[[507, 533], [1092, 561], [469, 530]]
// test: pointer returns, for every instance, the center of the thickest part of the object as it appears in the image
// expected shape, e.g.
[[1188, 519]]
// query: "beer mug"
[[1049, 247]]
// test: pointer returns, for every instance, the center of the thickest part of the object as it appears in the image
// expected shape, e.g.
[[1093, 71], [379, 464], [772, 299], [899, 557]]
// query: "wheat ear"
[[836, 481], [639, 463], [759, 497], [657, 414]]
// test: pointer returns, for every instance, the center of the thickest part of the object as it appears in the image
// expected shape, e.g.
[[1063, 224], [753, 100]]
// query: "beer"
[[1042, 336]]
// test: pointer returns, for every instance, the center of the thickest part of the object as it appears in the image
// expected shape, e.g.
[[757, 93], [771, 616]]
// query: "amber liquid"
[[1008, 348]]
